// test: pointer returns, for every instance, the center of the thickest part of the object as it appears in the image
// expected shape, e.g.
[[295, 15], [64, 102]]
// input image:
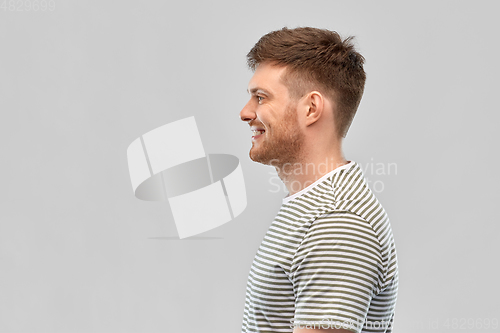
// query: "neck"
[[299, 175]]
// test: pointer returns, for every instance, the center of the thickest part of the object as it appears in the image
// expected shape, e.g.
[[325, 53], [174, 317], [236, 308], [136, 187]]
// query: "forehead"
[[268, 77]]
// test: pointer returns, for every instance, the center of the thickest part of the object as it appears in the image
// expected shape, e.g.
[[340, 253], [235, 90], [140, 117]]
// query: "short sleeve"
[[335, 272]]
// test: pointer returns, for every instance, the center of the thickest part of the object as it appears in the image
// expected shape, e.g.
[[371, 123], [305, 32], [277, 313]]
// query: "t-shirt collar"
[[288, 198]]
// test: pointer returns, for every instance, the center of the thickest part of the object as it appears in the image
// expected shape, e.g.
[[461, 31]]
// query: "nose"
[[248, 112]]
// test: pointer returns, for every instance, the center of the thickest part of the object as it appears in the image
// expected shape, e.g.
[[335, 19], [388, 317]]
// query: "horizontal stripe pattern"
[[328, 258]]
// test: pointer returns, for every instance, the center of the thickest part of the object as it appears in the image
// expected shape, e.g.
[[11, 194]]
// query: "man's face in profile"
[[277, 137]]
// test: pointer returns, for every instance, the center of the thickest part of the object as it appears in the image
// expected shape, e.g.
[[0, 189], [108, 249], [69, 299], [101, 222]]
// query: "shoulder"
[[341, 231], [344, 224]]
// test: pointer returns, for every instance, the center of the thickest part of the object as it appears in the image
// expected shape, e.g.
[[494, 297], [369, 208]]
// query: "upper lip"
[[254, 128]]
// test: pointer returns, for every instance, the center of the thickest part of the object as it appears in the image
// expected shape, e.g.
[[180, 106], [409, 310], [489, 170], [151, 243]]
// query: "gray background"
[[79, 253]]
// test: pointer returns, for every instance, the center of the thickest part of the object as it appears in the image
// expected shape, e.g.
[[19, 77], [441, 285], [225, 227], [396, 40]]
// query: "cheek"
[[267, 114], [262, 117]]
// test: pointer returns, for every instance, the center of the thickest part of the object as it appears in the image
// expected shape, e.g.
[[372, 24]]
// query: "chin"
[[256, 157]]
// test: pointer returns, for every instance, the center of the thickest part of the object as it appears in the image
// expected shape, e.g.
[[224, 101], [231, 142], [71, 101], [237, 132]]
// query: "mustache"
[[255, 123]]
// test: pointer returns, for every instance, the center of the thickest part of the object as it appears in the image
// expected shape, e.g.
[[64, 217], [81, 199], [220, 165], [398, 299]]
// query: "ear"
[[314, 106]]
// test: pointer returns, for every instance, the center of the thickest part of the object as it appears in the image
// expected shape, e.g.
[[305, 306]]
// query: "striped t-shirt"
[[328, 260]]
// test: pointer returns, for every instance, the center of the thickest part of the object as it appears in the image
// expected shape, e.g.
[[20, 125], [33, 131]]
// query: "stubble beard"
[[283, 144]]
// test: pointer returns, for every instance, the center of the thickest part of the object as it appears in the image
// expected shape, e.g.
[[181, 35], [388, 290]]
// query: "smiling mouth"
[[257, 133]]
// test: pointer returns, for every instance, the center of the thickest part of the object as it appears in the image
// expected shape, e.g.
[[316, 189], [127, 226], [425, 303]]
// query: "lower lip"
[[257, 136]]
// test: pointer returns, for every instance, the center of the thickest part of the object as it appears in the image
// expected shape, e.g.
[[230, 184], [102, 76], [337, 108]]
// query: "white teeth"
[[257, 132]]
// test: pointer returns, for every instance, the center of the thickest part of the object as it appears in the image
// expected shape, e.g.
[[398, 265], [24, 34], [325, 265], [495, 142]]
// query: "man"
[[328, 261]]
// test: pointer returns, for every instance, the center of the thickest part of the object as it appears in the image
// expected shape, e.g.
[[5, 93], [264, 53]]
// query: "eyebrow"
[[254, 91]]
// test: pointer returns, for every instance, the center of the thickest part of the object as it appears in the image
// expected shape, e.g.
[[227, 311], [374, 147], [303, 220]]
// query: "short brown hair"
[[316, 59]]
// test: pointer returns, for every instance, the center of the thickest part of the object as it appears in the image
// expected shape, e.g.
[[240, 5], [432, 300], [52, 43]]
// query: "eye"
[[259, 98]]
